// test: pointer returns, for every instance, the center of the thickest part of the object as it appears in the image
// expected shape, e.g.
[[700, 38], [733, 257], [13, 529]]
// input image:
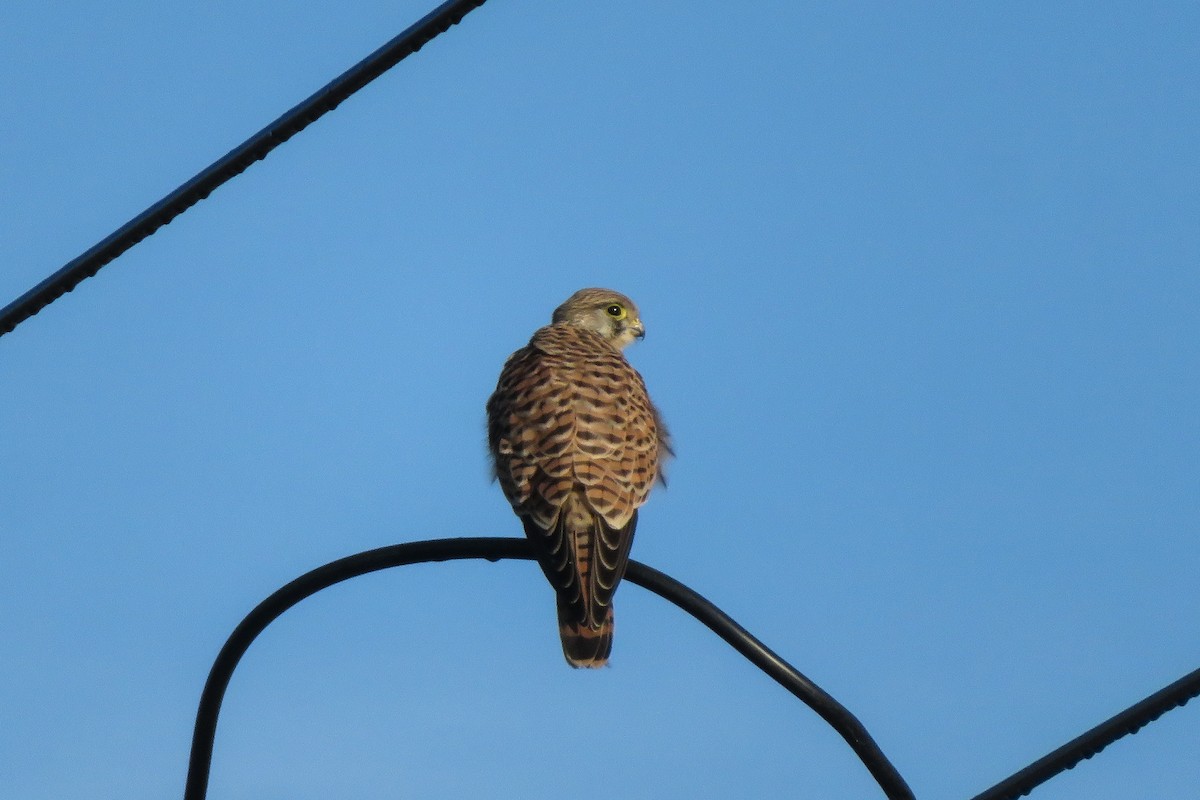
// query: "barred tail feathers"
[[583, 645]]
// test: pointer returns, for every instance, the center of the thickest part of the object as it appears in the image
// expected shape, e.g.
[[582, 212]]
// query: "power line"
[[234, 162], [495, 549], [1128, 722]]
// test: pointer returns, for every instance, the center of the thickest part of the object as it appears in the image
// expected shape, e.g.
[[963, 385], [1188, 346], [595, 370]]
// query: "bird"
[[576, 446]]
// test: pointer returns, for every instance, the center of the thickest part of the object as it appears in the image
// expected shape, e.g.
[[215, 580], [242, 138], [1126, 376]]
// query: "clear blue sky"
[[921, 284]]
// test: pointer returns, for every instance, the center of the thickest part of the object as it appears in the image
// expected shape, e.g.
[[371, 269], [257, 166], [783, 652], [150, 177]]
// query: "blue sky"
[[921, 286]]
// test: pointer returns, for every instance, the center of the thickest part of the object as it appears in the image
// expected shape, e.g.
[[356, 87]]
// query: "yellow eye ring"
[[616, 311]]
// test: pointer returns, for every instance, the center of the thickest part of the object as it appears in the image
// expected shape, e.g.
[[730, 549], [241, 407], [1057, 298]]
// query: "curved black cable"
[[1129, 721], [787, 676], [494, 549], [234, 162]]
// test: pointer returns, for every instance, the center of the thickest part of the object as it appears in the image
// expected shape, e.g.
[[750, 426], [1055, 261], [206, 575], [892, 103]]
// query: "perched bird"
[[576, 445]]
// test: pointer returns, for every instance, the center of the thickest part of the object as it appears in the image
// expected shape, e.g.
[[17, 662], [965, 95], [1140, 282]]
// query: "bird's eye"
[[615, 311]]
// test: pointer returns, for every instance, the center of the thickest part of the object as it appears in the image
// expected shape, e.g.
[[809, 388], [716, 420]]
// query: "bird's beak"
[[639, 330]]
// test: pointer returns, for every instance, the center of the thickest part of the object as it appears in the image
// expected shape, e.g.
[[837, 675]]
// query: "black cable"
[[234, 162], [787, 676], [493, 549], [1128, 722]]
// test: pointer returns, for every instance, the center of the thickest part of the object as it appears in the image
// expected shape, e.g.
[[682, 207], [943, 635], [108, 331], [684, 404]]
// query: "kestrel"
[[576, 445]]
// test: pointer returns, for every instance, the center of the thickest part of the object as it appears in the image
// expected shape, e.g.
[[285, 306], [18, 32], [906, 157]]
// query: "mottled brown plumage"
[[576, 445]]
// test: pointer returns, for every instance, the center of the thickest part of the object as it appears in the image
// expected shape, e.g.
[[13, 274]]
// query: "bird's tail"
[[583, 645]]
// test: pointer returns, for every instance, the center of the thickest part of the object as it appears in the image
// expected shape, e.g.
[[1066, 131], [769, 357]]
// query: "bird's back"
[[575, 443]]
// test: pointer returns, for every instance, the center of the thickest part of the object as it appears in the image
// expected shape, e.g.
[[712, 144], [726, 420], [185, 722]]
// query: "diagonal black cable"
[[234, 162], [1128, 722], [495, 549]]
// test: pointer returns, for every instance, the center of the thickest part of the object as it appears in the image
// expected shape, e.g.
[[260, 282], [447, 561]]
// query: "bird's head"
[[603, 311]]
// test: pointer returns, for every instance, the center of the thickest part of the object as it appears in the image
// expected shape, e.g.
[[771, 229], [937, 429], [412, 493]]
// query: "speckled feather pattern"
[[576, 446]]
